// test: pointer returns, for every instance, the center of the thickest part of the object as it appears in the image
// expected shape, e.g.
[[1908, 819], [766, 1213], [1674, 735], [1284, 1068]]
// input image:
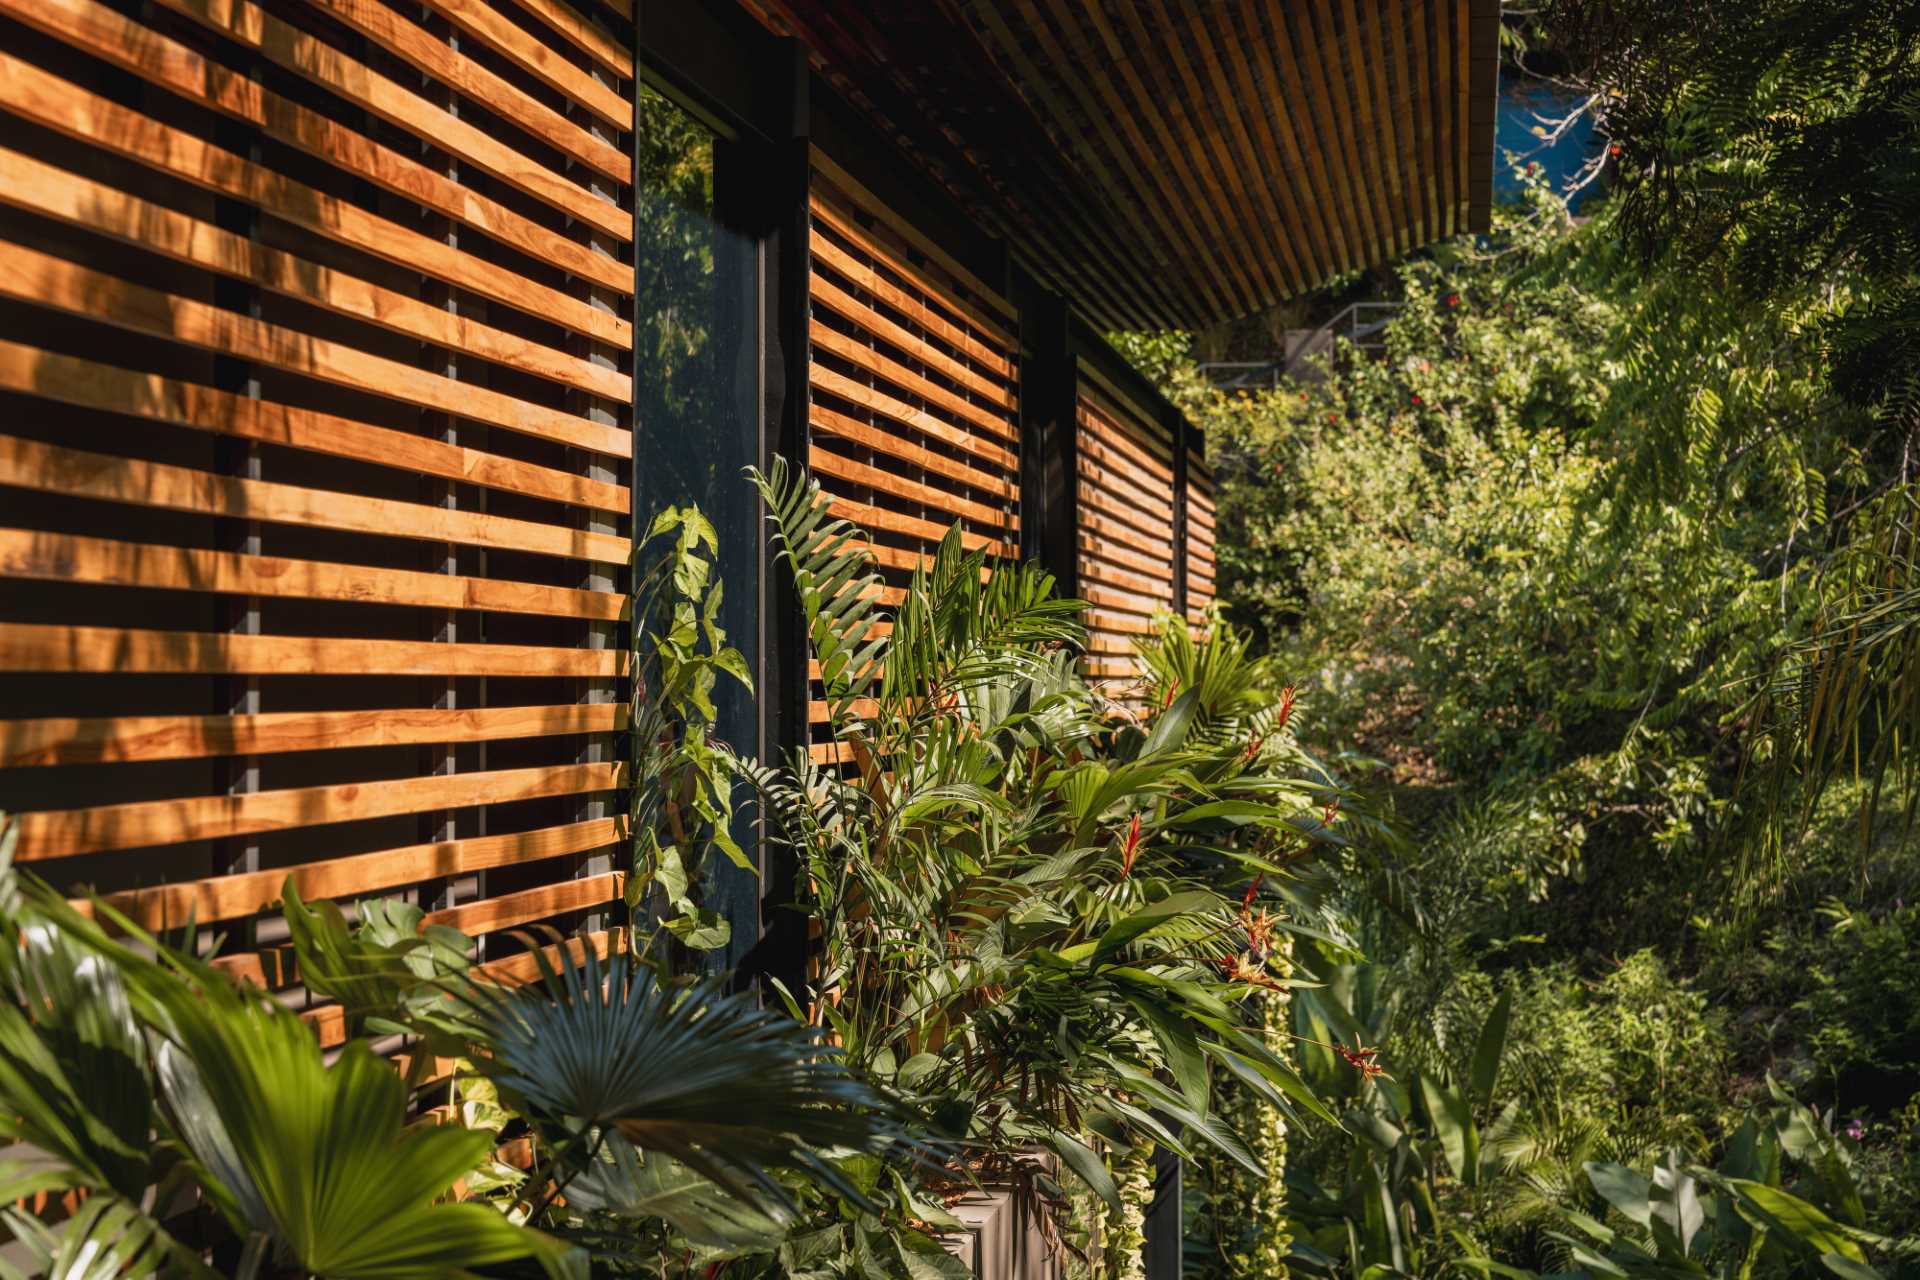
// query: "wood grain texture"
[[920, 420], [978, 292], [69, 380], [170, 65], [65, 107], [54, 282], [232, 897], [378, 22], [997, 483], [913, 303], [62, 833], [76, 473], [61, 557], [122, 739], [427, 231], [54, 649], [539, 59], [514, 910], [251, 27], [40, 188]]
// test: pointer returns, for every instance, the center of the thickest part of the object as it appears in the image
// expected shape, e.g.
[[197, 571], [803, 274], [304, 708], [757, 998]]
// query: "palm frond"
[[833, 575], [729, 1090]]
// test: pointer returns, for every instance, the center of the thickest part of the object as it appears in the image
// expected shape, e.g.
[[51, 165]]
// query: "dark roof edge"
[[1090, 345]]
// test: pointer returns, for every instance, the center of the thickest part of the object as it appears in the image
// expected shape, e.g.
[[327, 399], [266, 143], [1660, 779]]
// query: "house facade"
[[347, 345]]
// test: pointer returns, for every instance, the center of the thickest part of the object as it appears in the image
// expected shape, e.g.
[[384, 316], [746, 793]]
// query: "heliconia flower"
[[1245, 968], [1171, 690], [1247, 900], [1254, 744], [1286, 709], [1331, 814], [1363, 1061], [1131, 848]]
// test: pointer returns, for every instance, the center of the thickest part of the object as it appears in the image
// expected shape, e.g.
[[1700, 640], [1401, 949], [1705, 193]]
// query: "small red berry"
[[1453, 299], [1614, 150], [1416, 399]]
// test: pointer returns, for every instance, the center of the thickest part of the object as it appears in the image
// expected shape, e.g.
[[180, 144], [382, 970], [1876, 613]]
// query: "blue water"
[[1514, 125]]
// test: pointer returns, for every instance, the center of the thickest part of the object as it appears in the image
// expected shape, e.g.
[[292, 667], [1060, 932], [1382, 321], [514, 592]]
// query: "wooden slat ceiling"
[[1174, 163]]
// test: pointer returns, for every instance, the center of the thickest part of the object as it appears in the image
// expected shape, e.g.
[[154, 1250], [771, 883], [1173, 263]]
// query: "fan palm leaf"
[[726, 1088], [319, 1159]]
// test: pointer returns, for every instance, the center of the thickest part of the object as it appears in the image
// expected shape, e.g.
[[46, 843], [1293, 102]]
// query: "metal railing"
[[1362, 324]]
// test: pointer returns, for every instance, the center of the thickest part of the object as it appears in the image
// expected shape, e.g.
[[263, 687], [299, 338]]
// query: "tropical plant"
[[650, 1115], [681, 781], [1042, 917], [1752, 1215]]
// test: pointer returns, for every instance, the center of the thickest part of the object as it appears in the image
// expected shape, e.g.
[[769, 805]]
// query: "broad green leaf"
[[1625, 1189], [1087, 1166], [1488, 1051], [1453, 1120], [1797, 1220], [1848, 1269], [1177, 1040], [1152, 916]]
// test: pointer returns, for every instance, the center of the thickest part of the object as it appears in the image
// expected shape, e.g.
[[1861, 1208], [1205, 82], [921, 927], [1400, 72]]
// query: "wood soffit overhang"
[[1175, 163]]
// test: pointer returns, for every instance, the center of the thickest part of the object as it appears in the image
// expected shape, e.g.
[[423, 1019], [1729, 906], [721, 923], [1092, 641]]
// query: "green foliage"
[[682, 780], [648, 1109], [1031, 907]]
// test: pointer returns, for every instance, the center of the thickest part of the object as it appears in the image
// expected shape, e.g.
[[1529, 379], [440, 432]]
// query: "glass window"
[[697, 395]]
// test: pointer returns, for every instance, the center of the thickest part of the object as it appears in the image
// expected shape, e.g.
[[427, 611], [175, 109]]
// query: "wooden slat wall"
[[914, 384], [315, 441], [1126, 494], [1201, 573]]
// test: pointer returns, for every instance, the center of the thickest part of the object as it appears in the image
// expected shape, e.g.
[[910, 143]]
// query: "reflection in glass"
[[696, 358]]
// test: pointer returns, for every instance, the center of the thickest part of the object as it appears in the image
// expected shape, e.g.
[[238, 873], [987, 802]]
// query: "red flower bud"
[[1132, 847]]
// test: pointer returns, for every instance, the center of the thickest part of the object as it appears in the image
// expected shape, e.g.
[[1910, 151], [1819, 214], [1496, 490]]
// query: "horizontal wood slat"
[[515, 910], [61, 557], [250, 27], [482, 22], [1201, 573], [85, 384], [902, 414], [406, 41], [58, 833], [100, 740], [78, 474], [992, 483], [1127, 539], [170, 65], [65, 107], [231, 897], [915, 412], [51, 648], [912, 305], [316, 492], [54, 282], [41, 188]]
